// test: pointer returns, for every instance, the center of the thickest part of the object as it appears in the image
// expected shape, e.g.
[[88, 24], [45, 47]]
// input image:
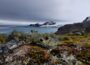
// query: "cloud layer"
[[73, 10]]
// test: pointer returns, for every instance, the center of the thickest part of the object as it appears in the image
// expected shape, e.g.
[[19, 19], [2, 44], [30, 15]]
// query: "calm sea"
[[27, 29]]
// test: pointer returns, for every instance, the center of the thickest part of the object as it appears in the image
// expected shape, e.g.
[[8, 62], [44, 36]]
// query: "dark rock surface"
[[45, 23], [35, 25], [83, 27], [49, 23]]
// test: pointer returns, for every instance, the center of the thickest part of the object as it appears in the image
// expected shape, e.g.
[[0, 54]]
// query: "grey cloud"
[[31, 9], [45, 9]]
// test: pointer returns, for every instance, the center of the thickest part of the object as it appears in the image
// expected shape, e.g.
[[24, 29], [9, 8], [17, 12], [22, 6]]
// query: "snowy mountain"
[[45, 24]]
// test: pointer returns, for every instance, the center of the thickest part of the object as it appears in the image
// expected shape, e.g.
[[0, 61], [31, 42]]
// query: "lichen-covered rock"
[[72, 54], [28, 55], [63, 54], [39, 55]]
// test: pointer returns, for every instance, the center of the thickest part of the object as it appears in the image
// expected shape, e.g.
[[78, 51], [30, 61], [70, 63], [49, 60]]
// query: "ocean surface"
[[27, 29]]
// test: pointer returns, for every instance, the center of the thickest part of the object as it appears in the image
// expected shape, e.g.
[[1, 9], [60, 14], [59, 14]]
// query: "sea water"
[[27, 29]]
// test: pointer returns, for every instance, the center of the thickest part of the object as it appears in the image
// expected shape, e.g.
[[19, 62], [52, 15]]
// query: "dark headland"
[[83, 27]]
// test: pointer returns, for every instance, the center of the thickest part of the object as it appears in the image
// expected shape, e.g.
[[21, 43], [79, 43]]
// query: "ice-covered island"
[[45, 24]]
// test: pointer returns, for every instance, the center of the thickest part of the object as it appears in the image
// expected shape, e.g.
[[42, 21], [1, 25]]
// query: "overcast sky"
[[39, 10]]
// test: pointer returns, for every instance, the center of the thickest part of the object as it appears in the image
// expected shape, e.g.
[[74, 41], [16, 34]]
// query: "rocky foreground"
[[45, 50], [63, 54]]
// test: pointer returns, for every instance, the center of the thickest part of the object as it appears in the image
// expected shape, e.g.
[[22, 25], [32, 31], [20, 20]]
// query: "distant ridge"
[[83, 27], [45, 24]]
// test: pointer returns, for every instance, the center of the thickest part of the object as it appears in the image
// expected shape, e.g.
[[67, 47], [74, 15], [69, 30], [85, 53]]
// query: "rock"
[[63, 54], [35, 25], [86, 22], [49, 23], [70, 28], [28, 55], [76, 28], [87, 30], [44, 24], [72, 54]]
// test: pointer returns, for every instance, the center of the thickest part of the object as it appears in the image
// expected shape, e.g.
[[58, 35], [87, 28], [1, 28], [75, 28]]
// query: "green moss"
[[39, 55], [2, 38]]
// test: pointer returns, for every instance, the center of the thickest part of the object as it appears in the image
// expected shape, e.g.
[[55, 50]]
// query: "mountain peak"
[[49, 23], [87, 19]]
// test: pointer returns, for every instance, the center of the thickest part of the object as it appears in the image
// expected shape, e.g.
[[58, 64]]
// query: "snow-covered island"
[[45, 24]]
